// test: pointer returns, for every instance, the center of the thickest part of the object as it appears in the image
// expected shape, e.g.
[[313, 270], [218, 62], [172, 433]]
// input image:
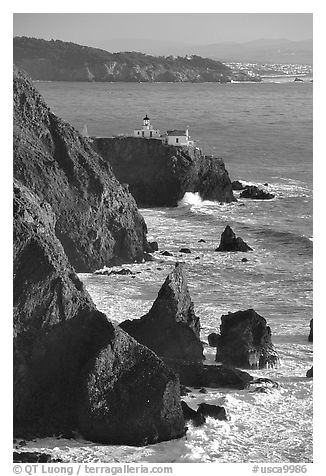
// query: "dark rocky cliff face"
[[159, 175], [97, 219], [74, 370]]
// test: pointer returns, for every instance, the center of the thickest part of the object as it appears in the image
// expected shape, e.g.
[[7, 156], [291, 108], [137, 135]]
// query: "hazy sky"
[[192, 28]]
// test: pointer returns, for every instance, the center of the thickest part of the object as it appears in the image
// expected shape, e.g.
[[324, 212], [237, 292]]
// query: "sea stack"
[[230, 242], [309, 373], [171, 328], [310, 337], [246, 341]]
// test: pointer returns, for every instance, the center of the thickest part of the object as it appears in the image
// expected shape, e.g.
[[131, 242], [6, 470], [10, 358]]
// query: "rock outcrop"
[[109, 272], [153, 246], [263, 382], [58, 60], [212, 339], [97, 220], [245, 341], [196, 374], [159, 175], [309, 373], [204, 410], [237, 185], [189, 413], [310, 337], [230, 242], [213, 411], [74, 370], [252, 191], [171, 328], [34, 457], [185, 250]]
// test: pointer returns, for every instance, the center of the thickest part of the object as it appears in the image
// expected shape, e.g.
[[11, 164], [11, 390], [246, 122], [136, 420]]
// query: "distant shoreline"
[[278, 76]]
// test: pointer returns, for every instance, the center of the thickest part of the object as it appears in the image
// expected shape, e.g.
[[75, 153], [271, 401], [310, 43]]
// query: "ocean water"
[[264, 133]]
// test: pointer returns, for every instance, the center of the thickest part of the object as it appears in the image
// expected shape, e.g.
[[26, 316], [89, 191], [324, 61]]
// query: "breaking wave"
[[190, 198]]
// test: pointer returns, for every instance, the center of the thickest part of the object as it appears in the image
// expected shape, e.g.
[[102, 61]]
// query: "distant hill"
[[258, 51], [261, 51], [57, 60]]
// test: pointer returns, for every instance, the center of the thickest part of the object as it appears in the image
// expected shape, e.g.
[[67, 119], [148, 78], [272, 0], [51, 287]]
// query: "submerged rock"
[[230, 242], [267, 382], [259, 390], [203, 390], [166, 253], [196, 374], [310, 337], [252, 191], [184, 250], [171, 328], [73, 369], [245, 341], [97, 220], [159, 175], [107, 272]]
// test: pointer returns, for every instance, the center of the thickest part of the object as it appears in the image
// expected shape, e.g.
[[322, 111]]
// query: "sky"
[[191, 28]]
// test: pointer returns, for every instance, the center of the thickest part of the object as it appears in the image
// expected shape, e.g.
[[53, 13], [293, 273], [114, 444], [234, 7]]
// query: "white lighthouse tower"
[[146, 123], [147, 131]]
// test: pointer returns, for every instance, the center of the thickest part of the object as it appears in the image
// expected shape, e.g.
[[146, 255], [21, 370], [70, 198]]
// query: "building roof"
[[146, 118], [176, 132]]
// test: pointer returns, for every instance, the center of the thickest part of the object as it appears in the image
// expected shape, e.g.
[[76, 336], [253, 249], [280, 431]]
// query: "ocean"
[[263, 131]]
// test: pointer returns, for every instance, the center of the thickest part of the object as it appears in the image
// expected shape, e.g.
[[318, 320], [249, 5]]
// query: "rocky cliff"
[[159, 175], [98, 222], [74, 370], [57, 60]]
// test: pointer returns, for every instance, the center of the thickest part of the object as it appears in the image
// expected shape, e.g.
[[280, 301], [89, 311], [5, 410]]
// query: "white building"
[[147, 131], [178, 137]]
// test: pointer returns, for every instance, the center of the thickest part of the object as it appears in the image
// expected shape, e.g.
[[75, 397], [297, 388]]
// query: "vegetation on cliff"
[[57, 60]]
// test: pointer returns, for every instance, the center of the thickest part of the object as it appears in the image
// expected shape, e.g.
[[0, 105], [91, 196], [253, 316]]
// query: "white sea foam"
[[190, 198], [194, 200]]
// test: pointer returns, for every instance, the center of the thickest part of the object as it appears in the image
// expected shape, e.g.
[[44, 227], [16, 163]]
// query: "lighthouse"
[[146, 123], [147, 131]]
